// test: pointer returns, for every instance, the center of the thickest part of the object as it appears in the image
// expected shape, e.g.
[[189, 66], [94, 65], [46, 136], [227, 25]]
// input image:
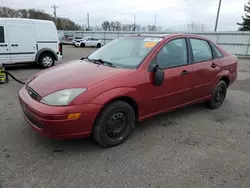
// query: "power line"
[[155, 10], [179, 8], [83, 2], [182, 7]]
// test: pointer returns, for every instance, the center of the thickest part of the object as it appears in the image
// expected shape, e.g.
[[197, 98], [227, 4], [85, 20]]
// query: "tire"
[[99, 45], [82, 45], [47, 60], [219, 95], [114, 124]]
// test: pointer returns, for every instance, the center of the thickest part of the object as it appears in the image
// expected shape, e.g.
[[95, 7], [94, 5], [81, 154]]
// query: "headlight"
[[63, 97]]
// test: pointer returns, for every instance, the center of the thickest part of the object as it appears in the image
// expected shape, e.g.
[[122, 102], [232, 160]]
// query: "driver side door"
[[176, 88]]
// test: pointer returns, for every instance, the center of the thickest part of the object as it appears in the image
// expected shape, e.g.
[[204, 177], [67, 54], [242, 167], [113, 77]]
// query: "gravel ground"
[[191, 147]]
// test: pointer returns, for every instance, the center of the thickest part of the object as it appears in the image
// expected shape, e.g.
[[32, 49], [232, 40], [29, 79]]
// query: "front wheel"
[[82, 45], [99, 45], [219, 95], [46, 60], [114, 124]]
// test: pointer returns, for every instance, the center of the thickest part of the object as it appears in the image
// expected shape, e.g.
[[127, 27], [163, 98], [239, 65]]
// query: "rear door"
[[22, 41], [95, 41], [205, 67], [88, 42], [4, 46], [91, 42], [176, 88]]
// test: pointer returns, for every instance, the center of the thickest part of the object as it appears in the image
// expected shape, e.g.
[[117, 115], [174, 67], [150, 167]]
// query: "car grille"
[[32, 120], [34, 95], [28, 116]]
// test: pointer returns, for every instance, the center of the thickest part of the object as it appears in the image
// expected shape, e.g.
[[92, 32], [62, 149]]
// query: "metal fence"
[[234, 42]]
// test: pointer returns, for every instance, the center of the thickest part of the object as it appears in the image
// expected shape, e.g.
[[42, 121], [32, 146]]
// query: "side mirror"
[[158, 75]]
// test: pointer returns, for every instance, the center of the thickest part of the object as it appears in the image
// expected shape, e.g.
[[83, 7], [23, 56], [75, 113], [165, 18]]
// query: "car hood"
[[75, 74]]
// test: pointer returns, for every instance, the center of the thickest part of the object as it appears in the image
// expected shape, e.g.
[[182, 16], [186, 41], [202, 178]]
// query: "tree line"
[[61, 23], [117, 26], [67, 24]]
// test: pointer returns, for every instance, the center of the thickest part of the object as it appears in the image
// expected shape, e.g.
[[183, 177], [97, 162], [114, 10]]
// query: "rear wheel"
[[46, 60], [98, 45], [82, 45], [114, 124], [219, 95]]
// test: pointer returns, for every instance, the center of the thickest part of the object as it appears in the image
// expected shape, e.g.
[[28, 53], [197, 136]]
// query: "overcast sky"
[[169, 13]]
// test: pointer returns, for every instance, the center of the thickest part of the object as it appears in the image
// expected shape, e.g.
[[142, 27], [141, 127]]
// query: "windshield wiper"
[[103, 62], [91, 60]]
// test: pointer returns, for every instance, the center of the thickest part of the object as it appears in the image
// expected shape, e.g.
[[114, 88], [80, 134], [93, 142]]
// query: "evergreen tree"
[[245, 25]]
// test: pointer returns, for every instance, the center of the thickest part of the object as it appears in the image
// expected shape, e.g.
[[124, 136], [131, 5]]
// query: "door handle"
[[3, 45], [14, 44], [214, 65], [183, 73]]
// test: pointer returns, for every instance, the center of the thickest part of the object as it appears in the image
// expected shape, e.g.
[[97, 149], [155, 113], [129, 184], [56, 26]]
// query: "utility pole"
[[55, 7], [155, 22], [134, 21], [217, 17], [88, 20]]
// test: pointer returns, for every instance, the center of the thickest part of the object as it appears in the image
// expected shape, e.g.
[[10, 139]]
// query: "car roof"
[[25, 20], [167, 35]]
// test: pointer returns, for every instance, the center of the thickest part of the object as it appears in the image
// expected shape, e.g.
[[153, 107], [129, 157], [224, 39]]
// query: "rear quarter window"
[[217, 53], [2, 34]]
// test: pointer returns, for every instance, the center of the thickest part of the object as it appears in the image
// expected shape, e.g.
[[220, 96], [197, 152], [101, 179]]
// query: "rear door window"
[[201, 50], [2, 34]]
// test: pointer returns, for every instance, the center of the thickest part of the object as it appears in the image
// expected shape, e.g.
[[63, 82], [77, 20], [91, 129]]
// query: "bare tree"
[[106, 26]]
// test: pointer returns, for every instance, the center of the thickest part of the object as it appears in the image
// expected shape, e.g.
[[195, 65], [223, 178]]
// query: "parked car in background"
[[88, 42], [27, 40], [128, 80], [76, 40]]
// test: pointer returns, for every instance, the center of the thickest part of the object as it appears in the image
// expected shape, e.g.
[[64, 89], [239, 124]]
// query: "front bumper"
[[51, 121], [77, 44]]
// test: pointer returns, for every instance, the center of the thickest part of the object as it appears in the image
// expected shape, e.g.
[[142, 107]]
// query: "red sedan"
[[128, 80]]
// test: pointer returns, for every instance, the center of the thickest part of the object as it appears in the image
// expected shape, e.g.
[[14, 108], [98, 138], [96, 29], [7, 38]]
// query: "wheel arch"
[[46, 51], [132, 96], [224, 75], [225, 78], [128, 100]]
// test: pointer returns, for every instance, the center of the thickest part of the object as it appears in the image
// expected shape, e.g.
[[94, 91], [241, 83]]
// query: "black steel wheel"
[[114, 124], [82, 45], [219, 95], [117, 125], [99, 45]]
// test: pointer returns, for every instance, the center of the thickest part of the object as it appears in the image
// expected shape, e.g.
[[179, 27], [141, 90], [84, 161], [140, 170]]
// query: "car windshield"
[[125, 52]]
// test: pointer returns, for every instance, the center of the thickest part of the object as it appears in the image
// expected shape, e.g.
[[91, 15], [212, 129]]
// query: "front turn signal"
[[74, 116]]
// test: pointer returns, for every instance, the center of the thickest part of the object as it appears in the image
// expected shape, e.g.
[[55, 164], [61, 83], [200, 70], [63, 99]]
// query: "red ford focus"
[[128, 80]]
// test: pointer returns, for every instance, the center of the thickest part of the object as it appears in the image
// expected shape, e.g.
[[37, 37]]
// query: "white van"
[[27, 40]]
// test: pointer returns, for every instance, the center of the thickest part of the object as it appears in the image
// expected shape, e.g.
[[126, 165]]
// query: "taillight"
[[60, 48]]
